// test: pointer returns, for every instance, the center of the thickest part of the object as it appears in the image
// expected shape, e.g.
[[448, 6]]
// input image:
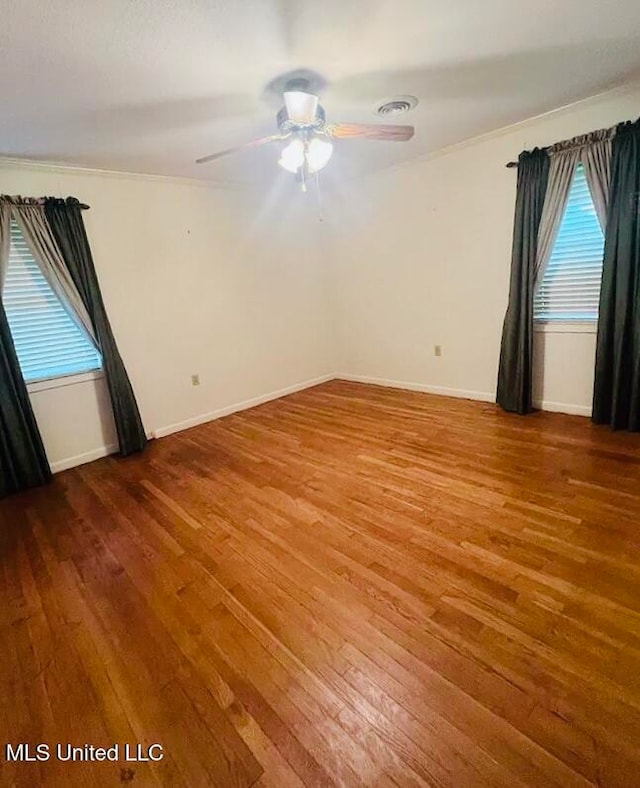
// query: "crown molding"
[[63, 168], [565, 109], [629, 86]]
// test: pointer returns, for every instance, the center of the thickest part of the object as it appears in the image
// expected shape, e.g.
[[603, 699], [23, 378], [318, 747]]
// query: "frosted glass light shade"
[[292, 156], [318, 154], [301, 107]]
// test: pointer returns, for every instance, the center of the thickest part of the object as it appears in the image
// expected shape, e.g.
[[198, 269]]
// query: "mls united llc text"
[[87, 752]]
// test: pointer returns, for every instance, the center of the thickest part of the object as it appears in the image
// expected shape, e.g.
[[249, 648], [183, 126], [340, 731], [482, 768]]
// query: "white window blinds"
[[48, 342], [570, 286]]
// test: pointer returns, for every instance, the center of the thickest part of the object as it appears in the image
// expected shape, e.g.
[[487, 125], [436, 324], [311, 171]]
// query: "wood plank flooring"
[[351, 585]]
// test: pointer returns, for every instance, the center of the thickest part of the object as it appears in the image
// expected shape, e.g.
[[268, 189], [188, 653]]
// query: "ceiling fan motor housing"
[[285, 125]]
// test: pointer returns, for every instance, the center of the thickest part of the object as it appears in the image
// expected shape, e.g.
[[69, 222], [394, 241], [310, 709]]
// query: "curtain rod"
[[38, 201], [83, 206], [576, 142]]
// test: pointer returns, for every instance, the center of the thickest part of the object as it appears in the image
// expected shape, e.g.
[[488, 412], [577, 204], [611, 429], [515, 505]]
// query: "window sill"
[[566, 327], [65, 380]]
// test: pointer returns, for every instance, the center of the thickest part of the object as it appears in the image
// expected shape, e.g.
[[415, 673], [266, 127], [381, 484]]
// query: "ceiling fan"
[[302, 122]]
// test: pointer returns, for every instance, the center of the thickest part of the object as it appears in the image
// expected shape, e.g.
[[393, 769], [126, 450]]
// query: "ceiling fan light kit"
[[302, 122], [312, 155]]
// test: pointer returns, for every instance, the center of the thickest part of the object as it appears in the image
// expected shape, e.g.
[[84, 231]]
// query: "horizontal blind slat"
[[570, 286], [48, 341]]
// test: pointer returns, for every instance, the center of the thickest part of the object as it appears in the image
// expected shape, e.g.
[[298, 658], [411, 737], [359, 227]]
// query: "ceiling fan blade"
[[246, 146], [366, 131]]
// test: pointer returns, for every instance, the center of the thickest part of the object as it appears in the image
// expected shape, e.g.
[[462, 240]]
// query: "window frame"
[[541, 326], [60, 381]]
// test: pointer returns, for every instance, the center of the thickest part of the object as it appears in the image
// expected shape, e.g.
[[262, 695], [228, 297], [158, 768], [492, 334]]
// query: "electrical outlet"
[[437, 350], [195, 380]]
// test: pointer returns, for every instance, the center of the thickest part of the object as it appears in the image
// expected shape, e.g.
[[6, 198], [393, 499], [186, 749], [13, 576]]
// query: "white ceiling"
[[149, 85]]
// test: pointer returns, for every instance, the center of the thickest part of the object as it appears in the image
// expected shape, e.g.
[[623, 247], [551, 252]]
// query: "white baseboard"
[[481, 396], [161, 432], [104, 451], [81, 459], [563, 407], [87, 456]]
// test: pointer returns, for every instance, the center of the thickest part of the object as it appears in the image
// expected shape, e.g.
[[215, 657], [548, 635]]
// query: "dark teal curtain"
[[23, 462], [65, 219], [616, 392], [515, 377]]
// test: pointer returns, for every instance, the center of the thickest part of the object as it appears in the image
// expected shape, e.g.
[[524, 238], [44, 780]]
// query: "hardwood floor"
[[351, 585]]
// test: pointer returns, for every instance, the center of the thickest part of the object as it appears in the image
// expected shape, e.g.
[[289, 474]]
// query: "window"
[[570, 287], [48, 342]]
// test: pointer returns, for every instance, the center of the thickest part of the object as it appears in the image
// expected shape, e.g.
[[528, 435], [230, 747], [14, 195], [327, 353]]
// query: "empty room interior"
[[320, 393]]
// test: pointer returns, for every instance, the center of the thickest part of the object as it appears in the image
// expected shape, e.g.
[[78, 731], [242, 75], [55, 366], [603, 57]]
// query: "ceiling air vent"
[[397, 105]]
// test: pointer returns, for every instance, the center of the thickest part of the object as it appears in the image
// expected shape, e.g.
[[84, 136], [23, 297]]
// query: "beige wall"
[[422, 256], [223, 283]]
